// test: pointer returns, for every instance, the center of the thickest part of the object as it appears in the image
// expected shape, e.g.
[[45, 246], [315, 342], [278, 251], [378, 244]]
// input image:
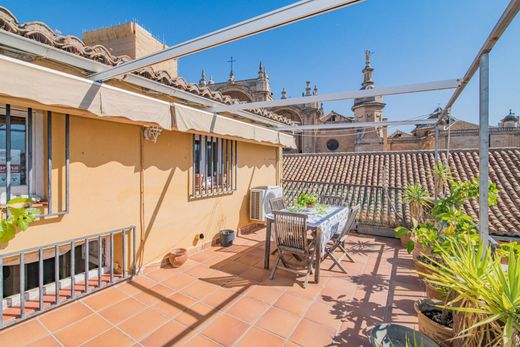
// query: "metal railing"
[[99, 271], [382, 206]]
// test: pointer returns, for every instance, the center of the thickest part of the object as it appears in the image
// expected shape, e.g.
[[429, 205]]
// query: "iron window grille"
[[214, 166]]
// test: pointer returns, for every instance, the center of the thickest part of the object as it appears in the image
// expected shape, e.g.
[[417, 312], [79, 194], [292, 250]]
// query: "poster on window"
[[16, 174]]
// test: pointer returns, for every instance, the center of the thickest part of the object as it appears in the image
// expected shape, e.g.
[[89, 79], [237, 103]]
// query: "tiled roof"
[[41, 32], [364, 177]]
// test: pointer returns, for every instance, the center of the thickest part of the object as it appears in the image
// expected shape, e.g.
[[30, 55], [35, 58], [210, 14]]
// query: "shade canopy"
[[67, 93]]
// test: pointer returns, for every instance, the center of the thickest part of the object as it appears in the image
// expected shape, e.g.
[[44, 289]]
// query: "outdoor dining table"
[[331, 221]]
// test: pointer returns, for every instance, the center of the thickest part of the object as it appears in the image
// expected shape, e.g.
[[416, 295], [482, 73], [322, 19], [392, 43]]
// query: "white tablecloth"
[[329, 224]]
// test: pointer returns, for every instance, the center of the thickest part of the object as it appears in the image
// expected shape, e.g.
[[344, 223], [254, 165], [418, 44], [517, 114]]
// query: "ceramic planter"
[[437, 332], [177, 257]]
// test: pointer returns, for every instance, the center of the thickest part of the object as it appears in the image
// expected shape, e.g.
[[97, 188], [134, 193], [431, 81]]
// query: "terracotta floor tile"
[[143, 324], [48, 341], [163, 274], [136, 285], [198, 271], [309, 333], [170, 334], [180, 300], [196, 315], [264, 293], [201, 341], [278, 321], [260, 338], [104, 298], [122, 310], [293, 303], [225, 330], [220, 298], [112, 338], [311, 292], [199, 289], [82, 331], [255, 274], [325, 314], [150, 296], [23, 333], [178, 281], [248, 309], [63, 316], [232, 267]]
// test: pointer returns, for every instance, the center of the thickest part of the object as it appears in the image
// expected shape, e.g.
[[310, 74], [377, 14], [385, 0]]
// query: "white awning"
[[54, 88], [29, 83], [190, 119]]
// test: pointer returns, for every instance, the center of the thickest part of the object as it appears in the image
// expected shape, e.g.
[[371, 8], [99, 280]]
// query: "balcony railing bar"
[[41, 288]]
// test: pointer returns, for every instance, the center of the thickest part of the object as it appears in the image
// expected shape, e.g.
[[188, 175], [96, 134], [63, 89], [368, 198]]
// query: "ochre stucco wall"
[[105, 176]]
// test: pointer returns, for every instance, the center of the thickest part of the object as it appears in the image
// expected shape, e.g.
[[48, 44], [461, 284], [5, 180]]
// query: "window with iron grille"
[[214, 166]]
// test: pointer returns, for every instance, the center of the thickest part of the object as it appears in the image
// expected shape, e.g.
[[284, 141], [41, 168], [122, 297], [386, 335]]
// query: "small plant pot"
[[226, 237], [177, 257], [404, 240], [310, 205], [390, 335], [421, 269], [437, 332], [433, 293]]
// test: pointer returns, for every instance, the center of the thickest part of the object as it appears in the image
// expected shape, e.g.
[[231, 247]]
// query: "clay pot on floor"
[[404, 240], [432, 292], [177, 257], [438, 332]]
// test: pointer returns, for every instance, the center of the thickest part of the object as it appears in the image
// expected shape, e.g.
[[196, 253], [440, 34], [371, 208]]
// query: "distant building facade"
[[453, 133], [134, 41]]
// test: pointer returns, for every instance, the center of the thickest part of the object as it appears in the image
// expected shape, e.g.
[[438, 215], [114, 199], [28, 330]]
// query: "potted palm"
[[484, 297], [442, 174], [419, 200]]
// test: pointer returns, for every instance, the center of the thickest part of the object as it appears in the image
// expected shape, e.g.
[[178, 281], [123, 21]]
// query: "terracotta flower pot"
[[433, 293], [430, 328], [404, 240], [177, 257], [421, 269]]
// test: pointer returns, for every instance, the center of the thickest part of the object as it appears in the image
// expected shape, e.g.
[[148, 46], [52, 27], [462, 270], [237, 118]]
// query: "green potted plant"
[[16, 216], [419, 199], [305, 200], [442, 174], [484, 297]]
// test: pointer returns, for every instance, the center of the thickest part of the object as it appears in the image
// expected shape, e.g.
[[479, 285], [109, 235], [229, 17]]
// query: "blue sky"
[[414, 41]]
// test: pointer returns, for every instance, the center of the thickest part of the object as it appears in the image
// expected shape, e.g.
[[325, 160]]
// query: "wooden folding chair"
[[338, 241], [277, 204], [332, 200], [291, 237]]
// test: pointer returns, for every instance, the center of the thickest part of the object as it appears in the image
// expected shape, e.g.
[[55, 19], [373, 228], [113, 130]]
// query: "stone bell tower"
[[369, 109]]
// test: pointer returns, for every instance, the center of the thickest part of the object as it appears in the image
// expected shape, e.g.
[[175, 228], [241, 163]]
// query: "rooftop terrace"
[[223, 297]]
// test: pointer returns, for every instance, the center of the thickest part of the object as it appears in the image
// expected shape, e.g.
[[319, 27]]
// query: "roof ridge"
[[420, 151]]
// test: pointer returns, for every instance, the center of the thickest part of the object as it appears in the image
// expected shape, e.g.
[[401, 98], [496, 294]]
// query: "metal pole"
[[29, 151], [484, 149], [436, 144], [49, 162], [7, 154]]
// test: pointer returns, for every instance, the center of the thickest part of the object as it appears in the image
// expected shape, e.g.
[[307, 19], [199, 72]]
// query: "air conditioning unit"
[[259, 201]]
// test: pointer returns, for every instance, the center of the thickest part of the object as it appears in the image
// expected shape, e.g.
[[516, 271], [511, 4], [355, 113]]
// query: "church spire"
[[202, 81], [308, 88], [368, 83], [284, 93], [315, 91]]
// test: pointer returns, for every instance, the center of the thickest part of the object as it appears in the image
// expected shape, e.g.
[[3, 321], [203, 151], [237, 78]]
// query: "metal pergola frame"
[[293, 13]]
